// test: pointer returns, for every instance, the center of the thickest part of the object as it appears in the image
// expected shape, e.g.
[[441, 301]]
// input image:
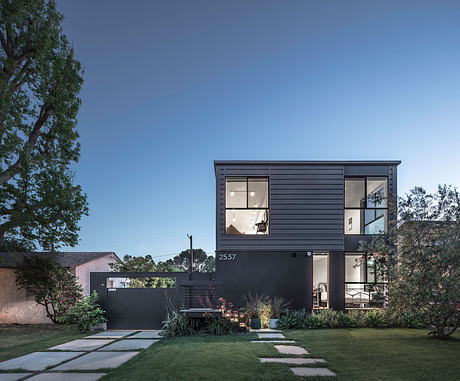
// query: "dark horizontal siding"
[[306, 208]]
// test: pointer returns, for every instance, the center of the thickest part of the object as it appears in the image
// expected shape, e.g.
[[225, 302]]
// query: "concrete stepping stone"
[[271, 336], [67, 377], [312, 372], [12, 376], [38, 360], [291, 350], [147, 335], [81, 345], [110, 335], [265, 330], [97, 360], [296, 360], [274, 341], [129, 345]]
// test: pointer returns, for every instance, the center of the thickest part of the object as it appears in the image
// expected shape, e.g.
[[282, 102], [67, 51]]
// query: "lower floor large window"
[[364, 285]]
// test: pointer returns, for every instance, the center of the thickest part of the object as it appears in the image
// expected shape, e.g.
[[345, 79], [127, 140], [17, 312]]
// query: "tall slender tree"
[[40, 80]]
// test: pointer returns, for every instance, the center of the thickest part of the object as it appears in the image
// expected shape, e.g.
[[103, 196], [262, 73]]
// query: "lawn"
[[354, 354], [18, 340]]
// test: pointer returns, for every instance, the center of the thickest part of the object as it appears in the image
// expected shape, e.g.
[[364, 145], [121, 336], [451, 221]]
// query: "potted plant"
[[251, 309], [278, 306]]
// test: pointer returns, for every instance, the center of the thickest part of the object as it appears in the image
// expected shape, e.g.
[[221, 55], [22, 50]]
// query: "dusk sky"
[[172, 85]]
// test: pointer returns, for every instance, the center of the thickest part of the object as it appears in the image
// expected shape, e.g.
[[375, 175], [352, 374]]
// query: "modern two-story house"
[[292, 229]]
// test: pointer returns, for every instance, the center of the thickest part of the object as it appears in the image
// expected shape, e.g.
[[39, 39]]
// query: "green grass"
[[18, 340], [354, 354]]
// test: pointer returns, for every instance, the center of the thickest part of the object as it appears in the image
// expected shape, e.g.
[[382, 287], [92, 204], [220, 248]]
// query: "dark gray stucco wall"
[[336, 281], [278, 274]]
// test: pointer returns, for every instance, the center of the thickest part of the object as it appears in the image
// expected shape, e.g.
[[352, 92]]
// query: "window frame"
[[365, 282], [366, 270], [267, 208], [365, 207]]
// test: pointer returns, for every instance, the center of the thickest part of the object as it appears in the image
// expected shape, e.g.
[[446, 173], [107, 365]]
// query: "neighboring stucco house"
[[17, 307]]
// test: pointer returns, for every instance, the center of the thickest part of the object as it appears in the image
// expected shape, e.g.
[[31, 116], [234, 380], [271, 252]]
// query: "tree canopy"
[[40, 80], [423, 258], [201, 261]]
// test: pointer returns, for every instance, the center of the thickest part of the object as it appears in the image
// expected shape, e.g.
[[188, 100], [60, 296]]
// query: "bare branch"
[[10, 172]]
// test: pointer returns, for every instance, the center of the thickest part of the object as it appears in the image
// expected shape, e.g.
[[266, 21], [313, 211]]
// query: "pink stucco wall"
[[99, 265], [17, 307]]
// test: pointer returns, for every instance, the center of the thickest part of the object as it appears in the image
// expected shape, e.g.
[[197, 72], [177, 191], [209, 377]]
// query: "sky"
[[172, 85]]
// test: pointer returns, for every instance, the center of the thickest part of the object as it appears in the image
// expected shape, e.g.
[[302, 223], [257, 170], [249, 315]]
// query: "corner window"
[[246, 205], [366, 205], [363, 287]]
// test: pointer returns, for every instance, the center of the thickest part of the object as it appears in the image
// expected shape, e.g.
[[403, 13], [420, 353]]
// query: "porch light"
[[232, 193], [252, 194]]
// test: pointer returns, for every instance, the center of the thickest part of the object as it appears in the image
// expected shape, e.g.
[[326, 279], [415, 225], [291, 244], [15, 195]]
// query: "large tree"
[[40, 80], [422, 256]]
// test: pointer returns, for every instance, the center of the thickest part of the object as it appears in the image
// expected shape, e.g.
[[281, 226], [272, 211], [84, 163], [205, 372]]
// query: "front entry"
[[320, 280]]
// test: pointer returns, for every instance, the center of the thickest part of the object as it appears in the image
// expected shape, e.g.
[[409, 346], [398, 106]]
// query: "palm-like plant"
[[278, 306], [252, 304]]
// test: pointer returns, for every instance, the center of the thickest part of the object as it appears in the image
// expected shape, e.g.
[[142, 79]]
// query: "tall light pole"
[[191, 256]]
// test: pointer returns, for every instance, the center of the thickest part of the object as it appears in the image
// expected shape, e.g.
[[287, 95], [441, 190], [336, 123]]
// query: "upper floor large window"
[[246, 205], [366, 208]]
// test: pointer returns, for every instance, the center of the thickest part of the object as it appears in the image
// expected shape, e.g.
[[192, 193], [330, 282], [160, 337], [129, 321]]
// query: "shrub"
[[51, 284], [329, 318], [265, 312], [177, 324], [345, 320], [294, 319], [412, 319], [374, 319], [219, 326], [85, 314], [359, 318]]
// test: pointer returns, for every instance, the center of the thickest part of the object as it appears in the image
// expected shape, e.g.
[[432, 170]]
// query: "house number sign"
[[227, 257]]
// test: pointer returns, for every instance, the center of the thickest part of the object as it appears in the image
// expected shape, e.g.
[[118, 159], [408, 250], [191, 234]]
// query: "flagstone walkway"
[[266, 336], [64, 362]]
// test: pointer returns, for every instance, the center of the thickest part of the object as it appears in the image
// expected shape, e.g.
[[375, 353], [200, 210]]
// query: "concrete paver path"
[[97, 360], [104, 350], [110, 335], [311, 372], [12, 376], [292, 360], [271, 336], [291, 350], [66, 377], [81, 345], [38, 360], [128, 345], [147, 335]]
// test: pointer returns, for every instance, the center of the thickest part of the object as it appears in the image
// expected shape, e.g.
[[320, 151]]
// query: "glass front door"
[[320, 280]]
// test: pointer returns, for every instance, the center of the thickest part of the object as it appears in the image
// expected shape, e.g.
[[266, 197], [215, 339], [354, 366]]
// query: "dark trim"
[[360, 208], [267, 208]]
